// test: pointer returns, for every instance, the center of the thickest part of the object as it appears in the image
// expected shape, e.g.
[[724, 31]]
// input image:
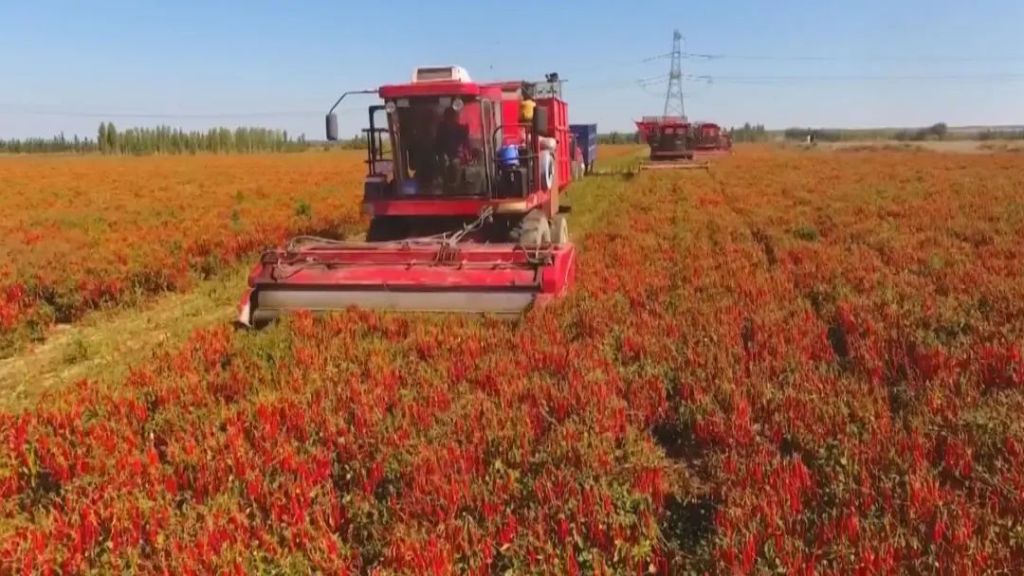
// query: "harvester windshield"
[[441, 148]]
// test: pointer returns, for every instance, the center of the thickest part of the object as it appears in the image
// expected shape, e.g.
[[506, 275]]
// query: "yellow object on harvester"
[[526, 111]]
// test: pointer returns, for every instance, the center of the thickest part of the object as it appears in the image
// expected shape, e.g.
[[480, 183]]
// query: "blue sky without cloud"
[[67, 65]]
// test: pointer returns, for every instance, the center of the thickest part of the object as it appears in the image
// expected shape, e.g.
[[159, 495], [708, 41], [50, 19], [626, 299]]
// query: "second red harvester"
[[675, 143]]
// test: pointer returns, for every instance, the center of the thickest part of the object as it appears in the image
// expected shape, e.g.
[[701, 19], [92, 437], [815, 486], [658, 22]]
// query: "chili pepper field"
[[81, 233], [801, 361]]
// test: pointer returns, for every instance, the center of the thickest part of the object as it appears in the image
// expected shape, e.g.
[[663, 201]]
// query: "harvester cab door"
[[489, 123], [378, 138]]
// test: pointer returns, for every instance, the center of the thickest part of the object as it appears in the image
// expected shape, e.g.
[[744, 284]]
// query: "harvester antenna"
[[674, 96]]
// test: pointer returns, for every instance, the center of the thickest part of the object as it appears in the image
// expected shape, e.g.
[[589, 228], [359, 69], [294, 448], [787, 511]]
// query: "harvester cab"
[[462, 191], [668, 138], [709, 140]]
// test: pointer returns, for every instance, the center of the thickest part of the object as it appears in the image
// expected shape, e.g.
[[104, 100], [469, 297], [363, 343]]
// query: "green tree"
[[101, 137], [750, 133], [112, 139]]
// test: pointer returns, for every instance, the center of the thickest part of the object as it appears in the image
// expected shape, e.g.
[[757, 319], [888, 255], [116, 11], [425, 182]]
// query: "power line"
[[609, 65], [658, 57], [995, 77], [796, 78], [863, 58], [777, 80], [661, 79], [645, 84]]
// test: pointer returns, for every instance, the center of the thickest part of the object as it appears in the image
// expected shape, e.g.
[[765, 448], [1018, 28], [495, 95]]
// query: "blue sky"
[[67, 65]]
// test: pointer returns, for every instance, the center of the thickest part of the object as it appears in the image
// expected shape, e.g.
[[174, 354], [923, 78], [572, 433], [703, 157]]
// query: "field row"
[[801, 362]]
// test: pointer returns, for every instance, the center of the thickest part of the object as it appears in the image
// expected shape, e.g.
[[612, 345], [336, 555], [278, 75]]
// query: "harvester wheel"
[[560, 231], [533, 231]]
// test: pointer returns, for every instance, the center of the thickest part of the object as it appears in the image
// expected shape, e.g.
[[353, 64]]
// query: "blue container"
[[586, 139], [508, 156]]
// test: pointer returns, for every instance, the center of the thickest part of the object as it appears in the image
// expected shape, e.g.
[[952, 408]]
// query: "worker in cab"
[[452, 137], [454, 150], [421, 147]]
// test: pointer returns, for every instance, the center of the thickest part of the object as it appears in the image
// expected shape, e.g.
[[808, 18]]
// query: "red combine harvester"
[[668, 138], [708, 140], [675, 143], [462, 187]]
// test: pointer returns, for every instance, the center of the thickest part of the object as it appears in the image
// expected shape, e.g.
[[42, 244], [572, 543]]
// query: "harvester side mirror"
[[540, 121], [332, 127]]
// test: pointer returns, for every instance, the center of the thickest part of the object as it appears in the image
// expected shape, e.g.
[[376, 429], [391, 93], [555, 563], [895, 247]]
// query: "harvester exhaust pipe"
[[332, 118]]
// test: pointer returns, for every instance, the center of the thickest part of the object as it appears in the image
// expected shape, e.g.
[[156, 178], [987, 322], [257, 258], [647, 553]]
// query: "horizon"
[[861, 66], [321, 140]]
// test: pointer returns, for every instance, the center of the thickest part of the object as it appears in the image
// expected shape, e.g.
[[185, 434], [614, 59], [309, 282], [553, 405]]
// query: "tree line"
[[167, 140], [163, 140], [618, 138], [44, 145], [937, 131], [989, 134], [749, 133], [758, 133]]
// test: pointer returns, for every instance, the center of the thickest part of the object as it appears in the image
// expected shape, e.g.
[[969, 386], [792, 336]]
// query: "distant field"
[[955, 146], [616, 151], [85, 232]]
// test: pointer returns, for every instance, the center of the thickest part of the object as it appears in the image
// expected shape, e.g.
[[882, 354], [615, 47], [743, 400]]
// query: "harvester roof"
[[449, 88], [655, 121], [436, 81]]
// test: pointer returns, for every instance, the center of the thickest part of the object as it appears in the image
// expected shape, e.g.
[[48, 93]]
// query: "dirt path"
[[105, 344]]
